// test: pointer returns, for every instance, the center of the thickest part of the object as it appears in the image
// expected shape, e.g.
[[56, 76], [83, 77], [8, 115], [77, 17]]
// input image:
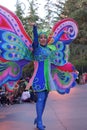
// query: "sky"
[[10, 4]]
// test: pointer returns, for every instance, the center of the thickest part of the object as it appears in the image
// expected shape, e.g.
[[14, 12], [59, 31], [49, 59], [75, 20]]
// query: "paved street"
[[63, 112]]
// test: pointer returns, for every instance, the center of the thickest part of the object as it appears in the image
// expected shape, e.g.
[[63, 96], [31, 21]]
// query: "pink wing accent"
[[2, 59], [68, 67]]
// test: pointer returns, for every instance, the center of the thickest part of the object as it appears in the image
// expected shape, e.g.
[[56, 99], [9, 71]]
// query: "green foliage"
[[32, 11], [78, 56], [77, 9], [19, 12], [53, 11]]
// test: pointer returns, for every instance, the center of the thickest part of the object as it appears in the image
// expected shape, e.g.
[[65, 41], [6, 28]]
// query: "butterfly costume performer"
[[52, 71]]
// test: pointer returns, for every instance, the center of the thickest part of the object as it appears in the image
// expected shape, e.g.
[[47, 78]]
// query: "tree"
[[58, 6], [77, 9], [53, 11], [19, 12], [78, 56], [32, 11], [32, 15]]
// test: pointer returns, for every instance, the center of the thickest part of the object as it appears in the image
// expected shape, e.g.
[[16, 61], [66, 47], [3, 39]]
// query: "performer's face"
[[43, 39]]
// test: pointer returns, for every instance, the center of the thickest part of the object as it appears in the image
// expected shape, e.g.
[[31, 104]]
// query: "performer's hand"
[[66, 32], [27, 87], [31, 23]]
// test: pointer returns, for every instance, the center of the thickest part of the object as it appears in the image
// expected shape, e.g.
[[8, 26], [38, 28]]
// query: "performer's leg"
[[40, 105], [46, 95]]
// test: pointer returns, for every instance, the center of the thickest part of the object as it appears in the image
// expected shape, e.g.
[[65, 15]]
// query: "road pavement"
[[62, 112]]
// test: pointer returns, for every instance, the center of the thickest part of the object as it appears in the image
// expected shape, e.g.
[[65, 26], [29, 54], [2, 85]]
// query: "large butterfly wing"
[[63, 72], [15, 46]]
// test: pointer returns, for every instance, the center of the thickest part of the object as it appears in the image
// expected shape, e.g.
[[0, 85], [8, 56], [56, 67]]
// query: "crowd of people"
[[18, 95]]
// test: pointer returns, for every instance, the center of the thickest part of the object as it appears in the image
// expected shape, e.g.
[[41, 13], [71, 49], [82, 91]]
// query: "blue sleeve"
[[35, 37], [58, 37], [67, 41]]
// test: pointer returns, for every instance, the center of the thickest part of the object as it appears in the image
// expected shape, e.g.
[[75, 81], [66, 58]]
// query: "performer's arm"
[[67, 41], [35, 37], [56, 39]]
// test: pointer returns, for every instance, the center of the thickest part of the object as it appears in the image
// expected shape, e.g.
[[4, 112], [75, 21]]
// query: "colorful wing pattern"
[[16, 51], [64, 77], [15, 46], [59, 56], [63, 72]]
